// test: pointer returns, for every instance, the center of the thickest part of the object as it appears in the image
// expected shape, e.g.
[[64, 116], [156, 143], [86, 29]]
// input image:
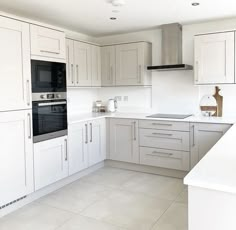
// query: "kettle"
[[112, 105]]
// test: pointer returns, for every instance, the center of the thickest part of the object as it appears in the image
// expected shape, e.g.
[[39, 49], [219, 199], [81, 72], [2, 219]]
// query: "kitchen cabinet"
[[124, 143], [108, 66], [215, 58], [86, 144], [203, 138], [50, 162], [16, 158], [15, 72], [47, 43], [83, 64], [78, 147], [131, 64]]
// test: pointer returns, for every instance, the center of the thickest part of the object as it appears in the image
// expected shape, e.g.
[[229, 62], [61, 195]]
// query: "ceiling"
[[92, 17]]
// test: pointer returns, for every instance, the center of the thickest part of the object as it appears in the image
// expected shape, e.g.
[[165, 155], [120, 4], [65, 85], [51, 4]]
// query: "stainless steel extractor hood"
[[171, 49]]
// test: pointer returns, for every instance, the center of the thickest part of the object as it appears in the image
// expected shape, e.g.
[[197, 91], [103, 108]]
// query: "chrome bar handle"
[[77, 73], [29, 126], [72, 73], [91, 132], [66, 151], [50, 52], [86, 134], [135, 137], [193, 135]]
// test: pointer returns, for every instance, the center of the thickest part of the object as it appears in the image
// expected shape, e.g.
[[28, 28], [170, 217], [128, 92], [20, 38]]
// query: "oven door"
[[49, 120], [48, 76]]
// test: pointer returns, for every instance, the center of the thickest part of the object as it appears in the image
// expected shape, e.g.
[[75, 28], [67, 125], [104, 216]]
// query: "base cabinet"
[[50, 162], [86, 144], [203, 138], [16, 157], [124, 140]]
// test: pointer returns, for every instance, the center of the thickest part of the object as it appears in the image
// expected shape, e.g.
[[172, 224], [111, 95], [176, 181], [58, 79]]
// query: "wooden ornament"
[[219, 101]]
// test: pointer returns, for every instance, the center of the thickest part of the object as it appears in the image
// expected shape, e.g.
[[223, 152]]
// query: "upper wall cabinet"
[[215, 58], [108, 65], [131, 64], [15, 77], [126, 64], [47, 43], [83, 64]]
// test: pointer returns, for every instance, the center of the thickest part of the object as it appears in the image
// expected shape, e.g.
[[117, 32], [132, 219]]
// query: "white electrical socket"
[[118, 98], [126, 98]]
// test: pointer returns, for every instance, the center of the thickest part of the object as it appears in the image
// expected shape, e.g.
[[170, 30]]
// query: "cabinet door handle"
[[91, 132], [140, 73], [155, 153], [72, 73], [28, 92], [135, 137], [29, 126], [66, 151], [197, 71], [193, 135], [161, 124], [86, 134], [50, 52], [77, 73], [163, 134]]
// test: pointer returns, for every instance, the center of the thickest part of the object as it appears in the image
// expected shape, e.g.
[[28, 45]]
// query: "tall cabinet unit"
[[83, 64], [124, 143], [15, 75], [203, 138], [16, 158], [215, 58]]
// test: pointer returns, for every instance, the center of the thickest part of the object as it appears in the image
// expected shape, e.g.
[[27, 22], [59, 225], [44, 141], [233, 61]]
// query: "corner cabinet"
[[203, 138], [47, 43], [131, 64], [15, 72], [86, 144], [215, 58], [50, 162], [83, 64], [126, 64], [124, 140], [16, 158]]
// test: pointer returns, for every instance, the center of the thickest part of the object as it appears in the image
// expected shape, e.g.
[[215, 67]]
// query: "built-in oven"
[[49, 116], [48, 76]]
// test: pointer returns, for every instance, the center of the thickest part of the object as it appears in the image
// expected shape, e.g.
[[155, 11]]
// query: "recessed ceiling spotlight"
[[195, 4], [113, 18], [118, 2]]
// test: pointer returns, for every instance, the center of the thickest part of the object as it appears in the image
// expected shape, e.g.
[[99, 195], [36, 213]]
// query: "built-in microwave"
[[48, 76]]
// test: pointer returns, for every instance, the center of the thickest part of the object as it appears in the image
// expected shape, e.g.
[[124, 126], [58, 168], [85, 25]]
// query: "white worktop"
[[75, 118], [217, 170]]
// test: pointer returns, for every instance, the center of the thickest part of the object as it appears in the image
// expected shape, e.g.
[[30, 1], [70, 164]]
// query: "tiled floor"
[[109, 199]]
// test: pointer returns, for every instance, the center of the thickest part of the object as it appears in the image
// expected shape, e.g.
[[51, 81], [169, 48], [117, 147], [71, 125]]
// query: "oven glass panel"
[[49, 118], [48, 76]]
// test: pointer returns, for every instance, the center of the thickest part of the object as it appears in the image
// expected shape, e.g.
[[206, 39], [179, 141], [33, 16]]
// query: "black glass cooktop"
[[170, 116]]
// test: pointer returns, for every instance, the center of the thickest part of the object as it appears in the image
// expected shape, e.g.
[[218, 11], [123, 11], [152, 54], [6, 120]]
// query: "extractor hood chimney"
[[171, 49]]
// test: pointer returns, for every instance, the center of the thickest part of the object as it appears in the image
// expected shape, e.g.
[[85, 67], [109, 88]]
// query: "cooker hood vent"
[[171, 49]]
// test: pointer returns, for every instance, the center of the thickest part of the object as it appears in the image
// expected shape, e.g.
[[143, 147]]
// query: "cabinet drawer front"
[[164, 158], [164, 125], [164, 139]]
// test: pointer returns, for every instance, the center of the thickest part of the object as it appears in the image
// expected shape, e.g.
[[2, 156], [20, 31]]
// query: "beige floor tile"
[[130, 210], [175, 218], [111, 177], [76, 196], [35, 217], [155, 186], [183, 197], [85, 223]]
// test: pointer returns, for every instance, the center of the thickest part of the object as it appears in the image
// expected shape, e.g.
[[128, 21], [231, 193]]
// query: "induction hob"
[[170, 116]]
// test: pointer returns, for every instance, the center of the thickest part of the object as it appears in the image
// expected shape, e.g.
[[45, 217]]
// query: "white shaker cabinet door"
[[108, 66], [215, 58], [16, 156], [78, 147], [70, 73], [50, 162], [96, 66], [15, 73], [46, 42], [82, 55], [97, 141], [124, 140]]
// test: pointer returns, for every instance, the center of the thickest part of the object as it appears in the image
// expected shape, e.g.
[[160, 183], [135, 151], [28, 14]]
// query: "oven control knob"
[[42, 96], [58, 96]]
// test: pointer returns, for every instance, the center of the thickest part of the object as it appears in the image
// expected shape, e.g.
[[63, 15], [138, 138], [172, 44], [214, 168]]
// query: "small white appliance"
[[112, 105]]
